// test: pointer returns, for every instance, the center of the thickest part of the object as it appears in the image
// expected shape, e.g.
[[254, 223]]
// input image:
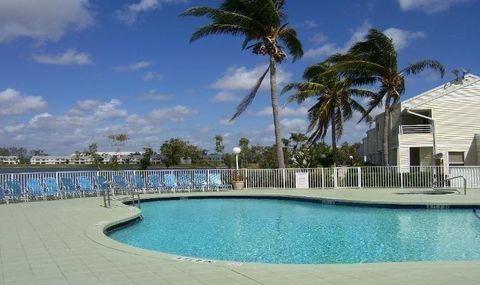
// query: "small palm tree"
[[375, 61], [262, 24], [334, 101]]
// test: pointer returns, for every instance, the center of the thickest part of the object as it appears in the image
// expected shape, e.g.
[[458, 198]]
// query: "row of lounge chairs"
[[64, 187]]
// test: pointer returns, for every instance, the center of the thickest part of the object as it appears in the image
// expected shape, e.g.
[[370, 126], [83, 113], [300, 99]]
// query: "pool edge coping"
[[101, 237]]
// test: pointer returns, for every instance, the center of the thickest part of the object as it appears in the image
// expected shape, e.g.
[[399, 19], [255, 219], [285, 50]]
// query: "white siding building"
[[455, 110], [11, 159], [49, 159]]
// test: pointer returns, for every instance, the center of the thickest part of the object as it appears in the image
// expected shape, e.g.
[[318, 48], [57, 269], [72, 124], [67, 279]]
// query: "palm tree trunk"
[[334, 137], [276, 113], [386, 131]]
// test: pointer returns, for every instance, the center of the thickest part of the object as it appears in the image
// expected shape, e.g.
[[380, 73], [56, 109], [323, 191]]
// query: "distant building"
[[50, 159], [11, 159], [123, 158]]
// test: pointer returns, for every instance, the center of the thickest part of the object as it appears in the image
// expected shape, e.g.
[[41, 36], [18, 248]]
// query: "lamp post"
[[236, 151]]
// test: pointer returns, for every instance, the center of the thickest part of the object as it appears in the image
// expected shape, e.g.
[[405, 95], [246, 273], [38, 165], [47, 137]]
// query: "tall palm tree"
[[334, 101], [375, 61], [262, 24]]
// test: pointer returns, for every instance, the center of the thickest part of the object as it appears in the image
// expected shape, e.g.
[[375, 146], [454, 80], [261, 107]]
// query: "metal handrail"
[[451, 178]]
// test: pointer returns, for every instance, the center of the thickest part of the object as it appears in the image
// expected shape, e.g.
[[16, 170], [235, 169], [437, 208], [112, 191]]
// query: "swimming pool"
[[297, 232]]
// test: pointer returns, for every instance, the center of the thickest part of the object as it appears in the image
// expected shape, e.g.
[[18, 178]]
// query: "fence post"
[[323, 178], [359, 176], [245, 173], [335, 178], [284, 171], [401, 177]]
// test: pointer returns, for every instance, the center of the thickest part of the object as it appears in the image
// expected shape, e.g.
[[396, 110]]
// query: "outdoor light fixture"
[[236, 151]]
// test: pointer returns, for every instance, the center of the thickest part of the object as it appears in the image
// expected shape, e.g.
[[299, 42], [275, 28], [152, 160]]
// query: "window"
[[456, 158]]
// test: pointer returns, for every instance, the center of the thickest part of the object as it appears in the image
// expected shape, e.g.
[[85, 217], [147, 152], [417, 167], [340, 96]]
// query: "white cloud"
[[155, 96], [242, 78], [134, 66], [12, 102], [91, 121], [70, 56], [428, 6], [285, 111], [224, 96], [151, 76], [177, 113], [97, 111], [42, 19], [402, 38], [328, 48], [130, 13]]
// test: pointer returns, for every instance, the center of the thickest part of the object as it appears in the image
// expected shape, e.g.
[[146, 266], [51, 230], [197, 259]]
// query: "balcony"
[[415, 129]]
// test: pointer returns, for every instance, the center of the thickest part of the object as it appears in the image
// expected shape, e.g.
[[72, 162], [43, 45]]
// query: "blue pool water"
[[285, 231]]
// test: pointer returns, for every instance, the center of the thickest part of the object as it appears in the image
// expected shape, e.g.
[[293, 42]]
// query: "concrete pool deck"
[[62, 242]]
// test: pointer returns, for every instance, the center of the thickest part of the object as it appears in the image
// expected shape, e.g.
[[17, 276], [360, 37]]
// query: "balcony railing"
[[415, 129]]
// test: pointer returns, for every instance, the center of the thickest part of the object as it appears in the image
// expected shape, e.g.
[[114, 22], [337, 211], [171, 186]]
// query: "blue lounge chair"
[[85, 185], [170, 182], [101, 183], [52, 188], [120, 184], [14, 190], [68, 186], [215, 182], [35, 188], [155, 182], [138, 183], [200, 181], [185, 182]]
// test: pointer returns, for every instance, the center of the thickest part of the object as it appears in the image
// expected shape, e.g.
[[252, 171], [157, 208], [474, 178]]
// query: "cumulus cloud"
[[89, 121], [129, 13], [178, 113], [328, 48], [224, 96], [133, 66], [42, 19], [69, 57], [153, 95], [428, 6], [243, 78], [12, 102], [401, 39]]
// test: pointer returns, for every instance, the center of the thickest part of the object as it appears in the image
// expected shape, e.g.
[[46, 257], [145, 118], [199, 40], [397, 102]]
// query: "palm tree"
[[375, 61], [262, 24], [334, 101]]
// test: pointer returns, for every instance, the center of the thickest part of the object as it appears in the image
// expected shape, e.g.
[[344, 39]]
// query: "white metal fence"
[[318, 178]]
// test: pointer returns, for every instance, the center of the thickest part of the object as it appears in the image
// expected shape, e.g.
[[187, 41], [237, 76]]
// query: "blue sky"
[[76, 71]]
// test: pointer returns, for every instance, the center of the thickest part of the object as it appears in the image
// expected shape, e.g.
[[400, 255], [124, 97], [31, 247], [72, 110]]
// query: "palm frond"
[[217, 29], [421, 65], [289, 38], [249, 98]]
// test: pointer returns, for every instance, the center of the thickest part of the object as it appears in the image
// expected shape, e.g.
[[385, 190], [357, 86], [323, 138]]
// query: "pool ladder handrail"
[[435, 183], [107, 198]]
